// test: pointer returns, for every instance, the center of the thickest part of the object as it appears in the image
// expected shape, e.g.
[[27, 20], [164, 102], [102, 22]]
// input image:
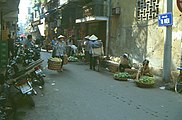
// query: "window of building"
[[147, 9]]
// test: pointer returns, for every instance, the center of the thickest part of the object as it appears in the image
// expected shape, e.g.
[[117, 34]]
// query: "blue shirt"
[[60, 48]]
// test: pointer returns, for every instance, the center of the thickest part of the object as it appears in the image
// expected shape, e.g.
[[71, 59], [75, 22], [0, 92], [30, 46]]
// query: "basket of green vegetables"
[[72, 59], [145, 82], [121, 76]]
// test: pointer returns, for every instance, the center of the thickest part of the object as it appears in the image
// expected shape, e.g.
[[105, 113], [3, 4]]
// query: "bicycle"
[[178, 82]]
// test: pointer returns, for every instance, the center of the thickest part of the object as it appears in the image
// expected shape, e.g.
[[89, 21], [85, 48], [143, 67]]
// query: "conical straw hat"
[[93, 37], [60, 36], [87, 37]]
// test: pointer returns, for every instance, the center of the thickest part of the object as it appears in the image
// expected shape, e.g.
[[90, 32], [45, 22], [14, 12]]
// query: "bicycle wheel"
[[178, 86]]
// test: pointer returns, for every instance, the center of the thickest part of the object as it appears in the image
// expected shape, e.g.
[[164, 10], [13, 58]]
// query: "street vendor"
[[71, 48], [144, 69], [91, 42], [124, 63], [60, 49]]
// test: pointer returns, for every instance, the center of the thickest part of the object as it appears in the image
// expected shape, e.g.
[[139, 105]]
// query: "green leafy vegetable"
[[122, 75], [146, 80]]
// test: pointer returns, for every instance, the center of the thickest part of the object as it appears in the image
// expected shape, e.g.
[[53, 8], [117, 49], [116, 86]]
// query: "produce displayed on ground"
[[145, 82], [72, 59], [114, 59], [122, 76]]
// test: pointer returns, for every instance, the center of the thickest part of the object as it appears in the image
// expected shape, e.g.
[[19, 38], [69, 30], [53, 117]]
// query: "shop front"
[[93, 25]]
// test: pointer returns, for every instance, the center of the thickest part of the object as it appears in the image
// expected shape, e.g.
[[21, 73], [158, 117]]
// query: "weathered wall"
[[143, 39]]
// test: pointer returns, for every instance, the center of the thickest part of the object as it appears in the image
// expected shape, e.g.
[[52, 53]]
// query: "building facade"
[[134, 30], [127, 26]]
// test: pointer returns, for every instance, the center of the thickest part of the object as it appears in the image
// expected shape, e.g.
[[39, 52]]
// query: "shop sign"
[[179, 5], [37, 22], [165, 19]]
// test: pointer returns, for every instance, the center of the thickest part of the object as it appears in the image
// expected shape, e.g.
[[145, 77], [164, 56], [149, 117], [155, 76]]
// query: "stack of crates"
[[3, 53]]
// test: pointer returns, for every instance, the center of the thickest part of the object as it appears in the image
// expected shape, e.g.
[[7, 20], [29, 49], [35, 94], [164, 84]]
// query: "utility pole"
[[108, 27], [1, 24], [167, 46]]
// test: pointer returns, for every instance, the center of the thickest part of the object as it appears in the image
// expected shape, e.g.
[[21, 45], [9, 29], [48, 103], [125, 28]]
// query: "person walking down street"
[[91, 41], [60, 49], [29, 43], [10, 46]]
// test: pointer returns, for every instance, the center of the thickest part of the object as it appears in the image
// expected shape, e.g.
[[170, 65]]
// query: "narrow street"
[[78, 93]]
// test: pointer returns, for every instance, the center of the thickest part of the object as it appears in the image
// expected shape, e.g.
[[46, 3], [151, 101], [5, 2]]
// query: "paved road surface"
[[81, 94]]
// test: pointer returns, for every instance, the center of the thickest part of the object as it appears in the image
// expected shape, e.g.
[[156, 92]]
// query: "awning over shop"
[[35, 23], [11, 16], [91, 19], [7, 6], [42, 27]]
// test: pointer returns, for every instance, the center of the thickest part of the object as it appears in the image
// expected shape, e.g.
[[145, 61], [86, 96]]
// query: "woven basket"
[[120, 79], [113, 68], [53, 65], [144, 85]]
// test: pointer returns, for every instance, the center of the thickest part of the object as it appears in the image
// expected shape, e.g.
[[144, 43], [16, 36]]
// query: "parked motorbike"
[[37, 51], [24, 85], [24, 70], [21, 82], [19, 49], [29, 53], [7, 106], [38, 76]]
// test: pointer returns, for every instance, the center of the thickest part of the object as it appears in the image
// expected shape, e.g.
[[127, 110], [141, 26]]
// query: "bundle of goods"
[[122, 76], [114, 59], [113, 66], [65, 59], [98, 51], [145, 82], [54, 63]]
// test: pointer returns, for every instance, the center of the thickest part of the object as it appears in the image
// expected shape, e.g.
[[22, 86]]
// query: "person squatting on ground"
[[71, 47], [124, 63], [144, 69], [59, 50]]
